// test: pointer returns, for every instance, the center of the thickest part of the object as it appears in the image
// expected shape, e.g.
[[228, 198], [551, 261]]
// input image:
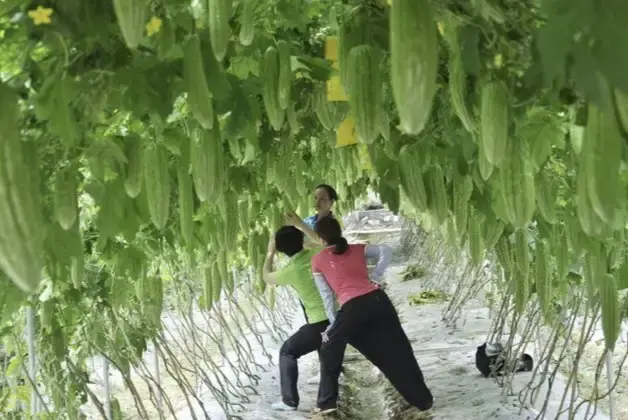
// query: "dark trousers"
[[304, 341], [370, 324], [308, 321], [318, 350]]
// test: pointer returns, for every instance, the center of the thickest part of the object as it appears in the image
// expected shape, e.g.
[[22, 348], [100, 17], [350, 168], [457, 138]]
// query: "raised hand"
[[292, 219]]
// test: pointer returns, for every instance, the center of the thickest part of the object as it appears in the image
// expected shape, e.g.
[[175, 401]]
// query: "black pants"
[[304, 341], [308, 321], [370, 324]]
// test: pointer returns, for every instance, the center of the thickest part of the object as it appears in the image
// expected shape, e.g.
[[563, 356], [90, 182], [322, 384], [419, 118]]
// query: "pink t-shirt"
[[347, 274]]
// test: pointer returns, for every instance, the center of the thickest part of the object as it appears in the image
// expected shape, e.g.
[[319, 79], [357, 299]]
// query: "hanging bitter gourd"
[[504, 251], [61, 117], [65, 198], [186, 196], [157, 183], [494, 118], [247, 22], [560, 249], [493, 230], [366, 93], [22, 223], [457, 93], [602, 152], [208, 166], [590, 222], [522, 252], [610, 308], [462, 190], [438, 199], [270, 80], [516, 186], [133, 170], [476, 245], [413, 62], [219, 14], [411, 177], [321, 108], [132, 16], [546, 196], [543, 283], [195, 83], [285, 74], [521, 287]]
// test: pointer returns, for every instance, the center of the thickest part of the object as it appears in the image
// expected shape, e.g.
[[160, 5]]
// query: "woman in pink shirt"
[[367, 318]]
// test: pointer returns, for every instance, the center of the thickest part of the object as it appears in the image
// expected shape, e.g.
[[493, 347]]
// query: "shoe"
[[428, 409], [281, 406], [325, 411]]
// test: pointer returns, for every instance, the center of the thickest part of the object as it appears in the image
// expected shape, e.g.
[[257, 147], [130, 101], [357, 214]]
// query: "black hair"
[[289, 240], [331, 192], [329, 230]]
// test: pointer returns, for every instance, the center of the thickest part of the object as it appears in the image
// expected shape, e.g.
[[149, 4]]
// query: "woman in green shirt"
[[297, 274]]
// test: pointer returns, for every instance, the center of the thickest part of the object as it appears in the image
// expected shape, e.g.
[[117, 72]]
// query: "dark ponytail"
[[341, 246], [329, 230]]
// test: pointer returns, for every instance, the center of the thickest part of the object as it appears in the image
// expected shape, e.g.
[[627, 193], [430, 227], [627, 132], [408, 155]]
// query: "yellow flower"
[[153, 26], [41, 15], [498, 61]]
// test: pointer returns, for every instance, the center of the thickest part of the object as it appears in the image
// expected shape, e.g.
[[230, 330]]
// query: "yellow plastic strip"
[[345, 135], [331, 49], [335, 92]]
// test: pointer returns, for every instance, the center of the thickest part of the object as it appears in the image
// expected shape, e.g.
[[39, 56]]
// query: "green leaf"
[[585, 75], [12, 368], [11, 300], [292, 14], [553, 43], [610, 26], [319, 68], [622, 276], [8, 6], [243, 66]]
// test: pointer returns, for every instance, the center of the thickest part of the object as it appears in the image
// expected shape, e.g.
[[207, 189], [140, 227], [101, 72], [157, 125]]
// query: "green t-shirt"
[[298, 274]]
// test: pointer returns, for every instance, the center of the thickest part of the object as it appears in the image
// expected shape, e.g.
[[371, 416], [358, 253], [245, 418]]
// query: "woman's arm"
[[383, 254], [312, 237], [328, 295], [310, 243], [268, 274]]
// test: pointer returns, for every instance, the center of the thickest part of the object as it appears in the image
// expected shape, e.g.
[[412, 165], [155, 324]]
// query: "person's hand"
[[379, 282], [324, 334], [291, 219]]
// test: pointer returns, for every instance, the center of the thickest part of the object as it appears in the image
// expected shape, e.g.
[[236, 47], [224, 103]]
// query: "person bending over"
[[298, 274], [367, 318]]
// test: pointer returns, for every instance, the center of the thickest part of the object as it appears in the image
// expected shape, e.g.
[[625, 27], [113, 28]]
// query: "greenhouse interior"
[[178, 179]]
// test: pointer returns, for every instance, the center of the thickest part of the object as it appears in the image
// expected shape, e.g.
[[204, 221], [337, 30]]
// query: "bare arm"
[[313, 240], [310, 244], [268, 274]]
